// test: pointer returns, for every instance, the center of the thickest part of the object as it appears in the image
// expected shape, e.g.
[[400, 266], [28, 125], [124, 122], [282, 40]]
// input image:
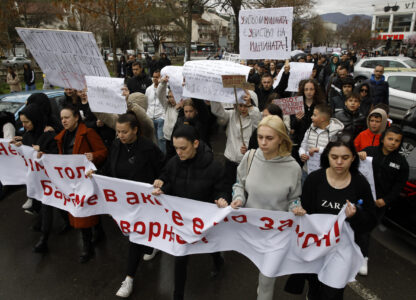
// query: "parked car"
[[402, 92], [16, 61], [364, 68], [15, 102]]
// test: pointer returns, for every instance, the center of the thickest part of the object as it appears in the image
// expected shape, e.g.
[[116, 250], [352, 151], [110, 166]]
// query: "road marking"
[[362, 291]]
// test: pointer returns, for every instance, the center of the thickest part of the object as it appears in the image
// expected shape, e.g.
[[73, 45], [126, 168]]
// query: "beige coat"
[[15, 85]]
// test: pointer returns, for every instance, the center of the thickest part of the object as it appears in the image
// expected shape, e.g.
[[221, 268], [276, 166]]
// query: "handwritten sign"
[[298, 72], [314, 162], [266, 33], [203, 80], [65, 56], [321, 50], [233, 57], [175, 80], [291, 105], [366, 168], [105, 95]]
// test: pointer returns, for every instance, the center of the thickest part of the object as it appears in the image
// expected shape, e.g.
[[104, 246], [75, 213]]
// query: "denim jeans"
[[158, 124], [30, 87]]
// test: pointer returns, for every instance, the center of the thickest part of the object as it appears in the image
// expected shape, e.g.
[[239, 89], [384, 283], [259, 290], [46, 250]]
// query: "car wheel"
[[360, 79], [407, 147]]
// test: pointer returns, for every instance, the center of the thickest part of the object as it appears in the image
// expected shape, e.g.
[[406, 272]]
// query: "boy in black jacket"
[[352, 118], [391, 172]]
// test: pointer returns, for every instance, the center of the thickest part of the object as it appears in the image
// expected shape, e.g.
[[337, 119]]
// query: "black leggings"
[[230, 176], [136, 253], [320, 291]]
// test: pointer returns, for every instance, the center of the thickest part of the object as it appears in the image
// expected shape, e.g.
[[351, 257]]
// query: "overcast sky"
[[349, 7]]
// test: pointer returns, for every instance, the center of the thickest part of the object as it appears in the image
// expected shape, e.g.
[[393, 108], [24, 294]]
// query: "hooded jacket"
[[368, 138], [48, 108], [199, 178], [380, 90], [318, 138], [354, 122], [367, 101], [233, 132], [273, 184]]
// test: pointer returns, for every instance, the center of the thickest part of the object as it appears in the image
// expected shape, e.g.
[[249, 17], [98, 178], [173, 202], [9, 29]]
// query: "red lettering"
[[152, 232], [79, 201], [59, 169], [336, 231], [198, 225], [315, 240], [142, 225], [125, 226], [38, 166], [167, 232], [285, 223], [146, 198], [157, 201], [3, 149], [268, 223], [92, 200], [31, 165], [240, 219], [180, 240], [327, 239], [12, 151], [176, 217], [79, 173], [134, 199], [58, 195], [47, 190], [69, 172], [110, 195], [66, 200]]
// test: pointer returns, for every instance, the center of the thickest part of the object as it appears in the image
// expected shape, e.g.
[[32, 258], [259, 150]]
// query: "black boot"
[[87, 247], [42, 245], [98, 234]]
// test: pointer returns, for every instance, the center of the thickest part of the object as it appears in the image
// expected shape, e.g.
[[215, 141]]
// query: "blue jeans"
[[158, 124], [30, 87]]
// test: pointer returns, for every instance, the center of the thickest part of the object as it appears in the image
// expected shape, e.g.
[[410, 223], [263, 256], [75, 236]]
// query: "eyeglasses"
[[364, 90]]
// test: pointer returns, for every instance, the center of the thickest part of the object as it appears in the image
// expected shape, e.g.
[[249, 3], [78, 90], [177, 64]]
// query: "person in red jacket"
[[376, 123], [77, 138]]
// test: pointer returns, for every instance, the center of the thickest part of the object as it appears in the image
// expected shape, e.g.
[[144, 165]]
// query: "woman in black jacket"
[[49, 110], [192, 173], [133, 157], [43, 141], [29, 76]]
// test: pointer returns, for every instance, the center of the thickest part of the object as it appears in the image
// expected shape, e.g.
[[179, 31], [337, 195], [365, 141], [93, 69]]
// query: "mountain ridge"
[[340, 18]]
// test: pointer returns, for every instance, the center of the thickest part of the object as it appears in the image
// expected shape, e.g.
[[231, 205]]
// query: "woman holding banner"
[[326, 191], [269, 178], [76, 138], [133, 157]]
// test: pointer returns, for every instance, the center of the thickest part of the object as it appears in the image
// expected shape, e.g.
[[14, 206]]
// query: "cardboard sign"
[[105, 94], [65, 56], [266, 33], [291, 105]]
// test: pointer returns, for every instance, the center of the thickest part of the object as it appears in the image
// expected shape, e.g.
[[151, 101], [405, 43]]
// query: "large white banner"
[[277, 242], [65, 56], [298, 72], [266, 33], [203, 80], [105, 94], [175, 80], [10, 159]]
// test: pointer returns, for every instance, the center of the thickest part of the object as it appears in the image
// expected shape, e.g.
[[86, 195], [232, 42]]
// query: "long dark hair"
[[341, 139], [11, 71], [319, 96]]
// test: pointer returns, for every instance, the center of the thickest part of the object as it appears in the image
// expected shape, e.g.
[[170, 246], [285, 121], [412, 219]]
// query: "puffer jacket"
[[354, 122]]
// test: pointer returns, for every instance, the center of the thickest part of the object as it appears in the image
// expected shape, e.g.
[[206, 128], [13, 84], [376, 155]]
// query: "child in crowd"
[[316, 138], [350, 116], [376, 122], [391, 171]]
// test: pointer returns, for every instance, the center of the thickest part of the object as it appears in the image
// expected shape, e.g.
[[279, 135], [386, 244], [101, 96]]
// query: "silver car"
[[16, 61], [364, 68], [402, 92]]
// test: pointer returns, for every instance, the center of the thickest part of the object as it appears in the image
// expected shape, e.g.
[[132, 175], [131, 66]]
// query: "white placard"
[[65, 56], [298, 72], [175, 80], [203, 80], [321, 50], [314, 162], [11, 159], [366, 168], [233, 57], [105, 94], [266, 33]]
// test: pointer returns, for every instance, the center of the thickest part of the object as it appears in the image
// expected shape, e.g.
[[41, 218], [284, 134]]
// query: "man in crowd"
[[140, 81], [339, 96], [129, 65], [335, 81], [379, 87]]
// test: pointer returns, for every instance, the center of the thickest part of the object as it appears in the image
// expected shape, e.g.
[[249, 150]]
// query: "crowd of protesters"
[[167, 142]]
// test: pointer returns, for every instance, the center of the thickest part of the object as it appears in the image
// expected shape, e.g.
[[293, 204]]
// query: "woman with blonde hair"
[[269, 178]]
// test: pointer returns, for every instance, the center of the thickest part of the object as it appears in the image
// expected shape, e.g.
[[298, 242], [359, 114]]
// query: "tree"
[[317, 31], [357, 32], [35, 13], [9, 19]]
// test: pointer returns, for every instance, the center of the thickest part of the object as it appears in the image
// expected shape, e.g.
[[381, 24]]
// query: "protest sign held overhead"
[[298, 72], [291, 105], [175, 80], [105, 94], [266, 33], [321, 50], [203, 80], [233, 57], [65, 56]]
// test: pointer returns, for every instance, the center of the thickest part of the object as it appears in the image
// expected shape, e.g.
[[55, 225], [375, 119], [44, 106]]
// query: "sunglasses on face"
[[364, 90]]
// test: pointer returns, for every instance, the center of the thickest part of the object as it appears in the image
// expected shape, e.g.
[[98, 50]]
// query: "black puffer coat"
[[354, 122]]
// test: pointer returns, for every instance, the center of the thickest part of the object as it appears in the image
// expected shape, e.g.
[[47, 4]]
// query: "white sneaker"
[[364, 268], [126, 288], [28, 204], [147, 257]]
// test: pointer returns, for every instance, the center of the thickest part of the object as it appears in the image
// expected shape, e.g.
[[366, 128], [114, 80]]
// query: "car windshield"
[[12, 107], [410, 62]]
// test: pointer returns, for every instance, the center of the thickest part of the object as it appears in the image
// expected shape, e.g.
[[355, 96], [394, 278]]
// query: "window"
[[396, 64], [382, 23], [370, 64], [410, 62], [402, 83], [401, 23]]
